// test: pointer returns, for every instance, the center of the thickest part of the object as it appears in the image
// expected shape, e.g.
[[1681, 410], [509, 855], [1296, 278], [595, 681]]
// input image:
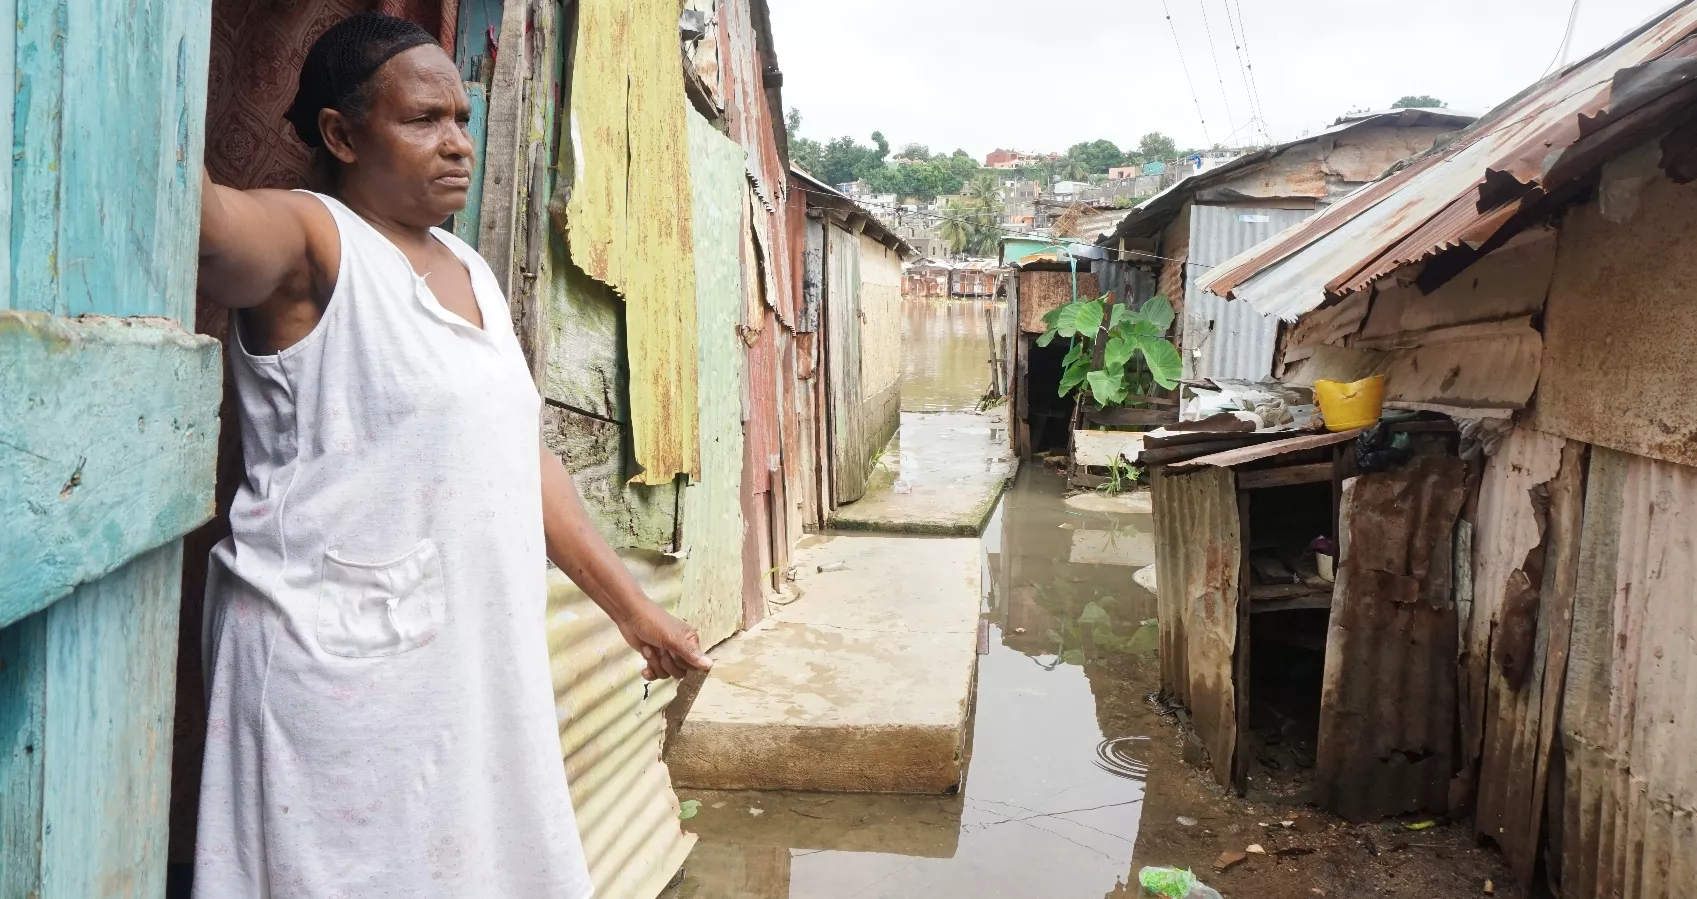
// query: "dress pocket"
[[367, 610]]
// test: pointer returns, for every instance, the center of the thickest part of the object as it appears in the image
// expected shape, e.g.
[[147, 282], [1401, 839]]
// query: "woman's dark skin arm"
[[669, 647]]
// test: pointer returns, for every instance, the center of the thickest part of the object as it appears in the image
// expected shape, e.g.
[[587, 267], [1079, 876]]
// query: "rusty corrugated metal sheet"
[[599, 147], [762, 413], [660, 320], [1387, 707], [712, 503], [1627, 722], [1198, 559], [1457, 192], [746, 53], [611, 727], [1042, 292]]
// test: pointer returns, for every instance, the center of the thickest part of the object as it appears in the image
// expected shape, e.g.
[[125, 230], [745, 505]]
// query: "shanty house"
[[1530, 279], [1218, 212]]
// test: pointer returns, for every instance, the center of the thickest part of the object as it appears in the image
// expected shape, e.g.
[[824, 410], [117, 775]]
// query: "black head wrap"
[[342, 60]]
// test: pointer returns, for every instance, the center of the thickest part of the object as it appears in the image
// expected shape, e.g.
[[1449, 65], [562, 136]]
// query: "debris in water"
[[1019, 630], [688, 809], [757, 812], [1187, 821], [719, 805], [832, 566], [1421, 825], [1287, 823], [1256, 849], [1490, 887], [1229, 860]]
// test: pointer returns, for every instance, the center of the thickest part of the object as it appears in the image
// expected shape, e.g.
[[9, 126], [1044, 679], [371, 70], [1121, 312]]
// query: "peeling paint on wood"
[[597, 146], [108, 442], [660, 277], [713, 525]]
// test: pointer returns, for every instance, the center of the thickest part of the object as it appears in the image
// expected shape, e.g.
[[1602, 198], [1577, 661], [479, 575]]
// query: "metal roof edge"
[[818, 190]]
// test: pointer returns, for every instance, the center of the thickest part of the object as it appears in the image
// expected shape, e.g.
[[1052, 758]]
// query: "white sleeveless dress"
[[381, 718]]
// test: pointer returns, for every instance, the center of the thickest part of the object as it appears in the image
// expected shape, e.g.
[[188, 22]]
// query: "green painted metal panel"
[[108, 445], [1015, 250], [713, 524], [86, 691], [466, 222]]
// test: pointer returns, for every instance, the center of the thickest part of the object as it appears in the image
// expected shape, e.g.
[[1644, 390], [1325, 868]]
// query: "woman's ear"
[[337, 133]]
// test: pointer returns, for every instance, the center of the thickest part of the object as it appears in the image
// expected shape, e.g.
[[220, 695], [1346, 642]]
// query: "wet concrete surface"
[[941, 475]]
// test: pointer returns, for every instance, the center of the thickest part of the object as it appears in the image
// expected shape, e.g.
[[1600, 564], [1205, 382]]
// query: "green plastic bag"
[[1169, 882]]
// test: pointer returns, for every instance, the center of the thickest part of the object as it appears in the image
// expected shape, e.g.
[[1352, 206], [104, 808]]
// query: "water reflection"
[[1053, 796], [946, 353]]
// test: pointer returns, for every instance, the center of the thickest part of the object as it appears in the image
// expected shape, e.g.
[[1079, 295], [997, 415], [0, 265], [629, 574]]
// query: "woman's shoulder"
[[474, 261]]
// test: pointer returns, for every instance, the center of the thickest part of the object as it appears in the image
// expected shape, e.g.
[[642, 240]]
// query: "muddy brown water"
[[1062, 697]]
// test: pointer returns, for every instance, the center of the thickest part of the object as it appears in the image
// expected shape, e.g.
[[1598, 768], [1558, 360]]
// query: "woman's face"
[[410, 156]]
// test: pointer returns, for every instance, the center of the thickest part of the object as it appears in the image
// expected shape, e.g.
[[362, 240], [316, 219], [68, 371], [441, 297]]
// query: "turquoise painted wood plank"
[[39, 87], [132, 130], [8, 100], [110, 688], [466, 222], [23, 701], [477, 20], [713, 524], [108, 443]]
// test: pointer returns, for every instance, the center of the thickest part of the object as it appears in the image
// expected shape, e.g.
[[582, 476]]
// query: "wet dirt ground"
[[1075, 778]]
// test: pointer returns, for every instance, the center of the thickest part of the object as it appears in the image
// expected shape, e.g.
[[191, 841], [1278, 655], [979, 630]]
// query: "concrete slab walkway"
[[941, 475], [861, 685]]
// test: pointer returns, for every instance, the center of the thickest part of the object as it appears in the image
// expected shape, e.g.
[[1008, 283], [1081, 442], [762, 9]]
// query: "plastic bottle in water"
[[1171, 883]]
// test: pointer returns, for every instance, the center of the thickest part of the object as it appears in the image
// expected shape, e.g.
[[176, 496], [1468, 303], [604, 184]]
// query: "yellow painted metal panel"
[[660, 274], [713, 525], [599, 145], [611, 726]]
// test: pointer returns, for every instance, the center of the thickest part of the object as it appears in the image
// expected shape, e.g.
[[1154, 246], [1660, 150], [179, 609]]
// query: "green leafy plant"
[[1130, 334], [1122, 476]]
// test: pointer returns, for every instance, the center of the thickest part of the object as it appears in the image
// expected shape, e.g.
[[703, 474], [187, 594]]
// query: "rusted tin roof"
[[1231, 458], [1469, 191], [823, 196]]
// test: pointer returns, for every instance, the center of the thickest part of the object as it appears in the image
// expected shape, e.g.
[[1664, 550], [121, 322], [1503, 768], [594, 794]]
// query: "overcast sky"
[[1045, 74]]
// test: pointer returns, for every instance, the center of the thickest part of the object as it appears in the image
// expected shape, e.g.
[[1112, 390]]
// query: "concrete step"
[[941, 475], [861, 685]]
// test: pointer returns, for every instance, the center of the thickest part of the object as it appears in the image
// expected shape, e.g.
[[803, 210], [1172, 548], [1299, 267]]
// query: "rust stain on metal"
[[1198, 557], [660, 321], [1387, 717], [597, 152], [1042, 292], [1627, 727]]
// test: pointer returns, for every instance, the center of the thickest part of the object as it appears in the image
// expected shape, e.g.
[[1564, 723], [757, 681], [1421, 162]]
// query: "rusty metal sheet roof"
[[823, 196], [1260, 451], [611, 725], [1465, 191]]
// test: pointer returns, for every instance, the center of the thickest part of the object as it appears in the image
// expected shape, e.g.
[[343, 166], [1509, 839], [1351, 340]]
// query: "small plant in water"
[[1122, 476]]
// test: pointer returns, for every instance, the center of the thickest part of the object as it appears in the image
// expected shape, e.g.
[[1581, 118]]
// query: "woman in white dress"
[[381, 713]]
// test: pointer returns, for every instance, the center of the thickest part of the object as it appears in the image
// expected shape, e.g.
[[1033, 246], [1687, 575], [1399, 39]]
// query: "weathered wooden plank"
[[599, 145], [628, 515], [506, 137], [8, 100], [1122, 417], [530, 308], [660, 293], [108, 441], [38, 85], [1104, 449], [466, 223], [1284, 477], [110, 687], [713, 526], [23, 700], [842, 371]]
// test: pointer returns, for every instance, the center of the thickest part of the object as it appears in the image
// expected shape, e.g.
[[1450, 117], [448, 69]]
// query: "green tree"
[[1419, 101], [972, 223], [1156, 147], [805, 153], [915, 153], [1096, 157]]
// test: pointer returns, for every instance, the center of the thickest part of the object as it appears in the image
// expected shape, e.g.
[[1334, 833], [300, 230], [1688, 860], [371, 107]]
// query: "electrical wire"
[[1249, 63], [1219, 73], [1186, 68], [1258, 118], [1566, 40], [1125, 255]]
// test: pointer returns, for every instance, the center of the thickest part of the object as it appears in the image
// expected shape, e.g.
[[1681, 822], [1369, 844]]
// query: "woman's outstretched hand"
[[669, 647]]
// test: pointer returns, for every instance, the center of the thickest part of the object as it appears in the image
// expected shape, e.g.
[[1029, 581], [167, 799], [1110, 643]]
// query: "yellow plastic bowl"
[[1349, 406]]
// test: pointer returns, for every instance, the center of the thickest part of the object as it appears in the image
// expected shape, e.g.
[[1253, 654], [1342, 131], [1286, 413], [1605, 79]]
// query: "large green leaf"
[[1118, 352], [1047, 338], [1088, 319], [1157, 312], [1074, 376], [1051, 317], [1073, 355], [1066, 319], [1164, 361], [1135, 328], [1108, 389], [1121, 310]]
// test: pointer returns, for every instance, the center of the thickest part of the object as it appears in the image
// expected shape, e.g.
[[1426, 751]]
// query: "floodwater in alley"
[[1074, 777]]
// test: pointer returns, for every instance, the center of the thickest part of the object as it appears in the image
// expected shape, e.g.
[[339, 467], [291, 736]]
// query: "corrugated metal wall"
[[1223, 339], [1198, 557], [611, 725], [880, 344], [842, 365], [1628, 722]]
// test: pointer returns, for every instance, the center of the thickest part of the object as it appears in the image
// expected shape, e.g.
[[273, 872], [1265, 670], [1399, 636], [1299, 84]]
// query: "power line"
[[1249, 63], [1236, 27], [1208, 31], [1186, 67], [1566, 40]]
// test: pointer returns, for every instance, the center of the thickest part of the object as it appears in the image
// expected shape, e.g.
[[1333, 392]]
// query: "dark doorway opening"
[[1049, 415]]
